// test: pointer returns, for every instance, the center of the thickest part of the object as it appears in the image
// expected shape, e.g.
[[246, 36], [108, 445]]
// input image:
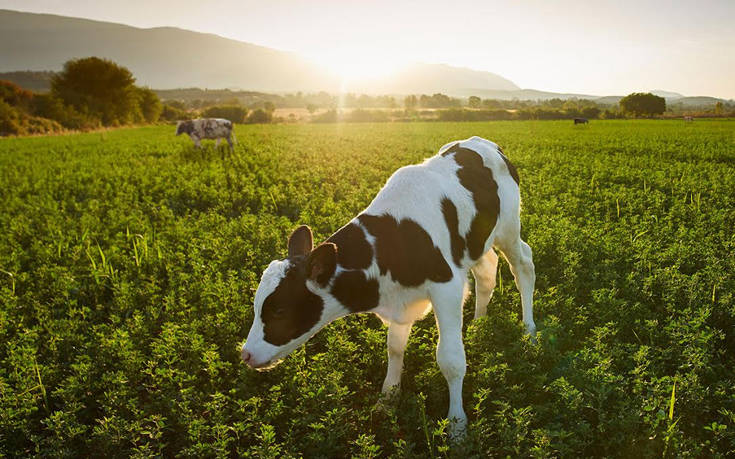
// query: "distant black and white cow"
[[581, 121], [409, 251], [206, 128]]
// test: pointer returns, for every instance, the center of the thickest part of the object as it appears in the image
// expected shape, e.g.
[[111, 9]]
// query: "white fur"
[[416, 192]]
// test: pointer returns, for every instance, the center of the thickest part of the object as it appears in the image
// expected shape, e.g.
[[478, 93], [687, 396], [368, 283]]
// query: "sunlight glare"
[[357, 65]]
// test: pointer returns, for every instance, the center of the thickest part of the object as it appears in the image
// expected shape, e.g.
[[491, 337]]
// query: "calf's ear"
[[300, 242], [321, 263]]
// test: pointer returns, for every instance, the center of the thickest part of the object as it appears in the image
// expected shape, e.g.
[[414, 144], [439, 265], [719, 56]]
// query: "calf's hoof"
[[457, 429], [390, 391]]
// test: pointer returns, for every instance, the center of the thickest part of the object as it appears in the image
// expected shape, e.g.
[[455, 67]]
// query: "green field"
[[129, 263]]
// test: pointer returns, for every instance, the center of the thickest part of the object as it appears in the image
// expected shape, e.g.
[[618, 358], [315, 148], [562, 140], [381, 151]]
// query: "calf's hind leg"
[[447, 301], [484, 273], [520, 258]]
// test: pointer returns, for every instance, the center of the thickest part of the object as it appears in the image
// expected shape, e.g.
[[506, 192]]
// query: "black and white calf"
[[409, 251], [206, 128]]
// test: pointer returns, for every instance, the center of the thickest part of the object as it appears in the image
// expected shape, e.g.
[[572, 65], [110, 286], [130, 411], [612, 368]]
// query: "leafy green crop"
[[129, 260]]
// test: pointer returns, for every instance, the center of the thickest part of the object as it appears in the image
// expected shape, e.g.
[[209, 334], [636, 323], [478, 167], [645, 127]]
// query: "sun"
[[357, 65]]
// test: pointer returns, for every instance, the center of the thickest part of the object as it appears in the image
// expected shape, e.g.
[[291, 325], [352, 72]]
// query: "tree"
[[172, 112], [643, 104], [410, 102], [590, 112], [438, 100], [98, 87], [234, 113], [492, 103], [474, 102], [259, 116], [150, 105], [719, 108]]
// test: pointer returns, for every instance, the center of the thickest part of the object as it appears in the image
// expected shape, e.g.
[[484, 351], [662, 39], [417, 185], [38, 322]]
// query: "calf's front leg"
[[447, 301], [397, 340]]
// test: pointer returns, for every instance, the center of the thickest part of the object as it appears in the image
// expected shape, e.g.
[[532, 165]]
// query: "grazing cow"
[[409, 251], [688, 119], [206, 128], [581, 121]]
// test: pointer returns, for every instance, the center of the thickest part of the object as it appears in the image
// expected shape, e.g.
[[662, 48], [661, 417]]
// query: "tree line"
[[93, 92]]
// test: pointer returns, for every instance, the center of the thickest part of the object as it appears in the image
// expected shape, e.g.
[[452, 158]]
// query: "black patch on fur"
[[406, 250], [291, 310], [353, 249], [321, 263], [186, 127], [511, 168], [451, 149], [354, 290], [450, 218], [478, 180]]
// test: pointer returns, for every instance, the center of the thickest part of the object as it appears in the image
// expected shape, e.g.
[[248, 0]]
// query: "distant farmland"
[[129, 261]]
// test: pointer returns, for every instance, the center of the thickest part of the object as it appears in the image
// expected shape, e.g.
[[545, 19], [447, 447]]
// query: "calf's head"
[[292, 302], [184, 127]]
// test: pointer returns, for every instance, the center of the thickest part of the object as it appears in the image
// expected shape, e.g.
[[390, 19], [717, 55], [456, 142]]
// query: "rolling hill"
[[166, 57]]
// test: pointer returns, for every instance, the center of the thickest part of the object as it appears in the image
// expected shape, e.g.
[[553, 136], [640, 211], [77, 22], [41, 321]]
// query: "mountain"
[[521, 94], [695, 101], [166, 57], [39, 81], [668, 95], [160, 57], [434, 78]]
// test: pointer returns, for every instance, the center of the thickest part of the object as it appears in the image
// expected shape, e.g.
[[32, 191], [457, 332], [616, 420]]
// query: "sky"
[[596, 47]]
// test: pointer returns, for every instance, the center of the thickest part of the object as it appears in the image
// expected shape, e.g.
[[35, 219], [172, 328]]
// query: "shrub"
[[364, 116], [14, 95], [14, 121], [330, 116], [53, 108], [234, 113], [176, 104], [457, 114], [9, 120], [611, 115], [173, 113], [259, 116], [591, 112]]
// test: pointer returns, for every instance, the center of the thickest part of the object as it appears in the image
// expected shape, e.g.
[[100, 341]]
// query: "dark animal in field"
[[206, 128], [409, 251], [581, 121]]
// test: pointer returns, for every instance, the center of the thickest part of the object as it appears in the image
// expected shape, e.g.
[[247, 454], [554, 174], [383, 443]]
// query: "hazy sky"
[[584, 46]]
